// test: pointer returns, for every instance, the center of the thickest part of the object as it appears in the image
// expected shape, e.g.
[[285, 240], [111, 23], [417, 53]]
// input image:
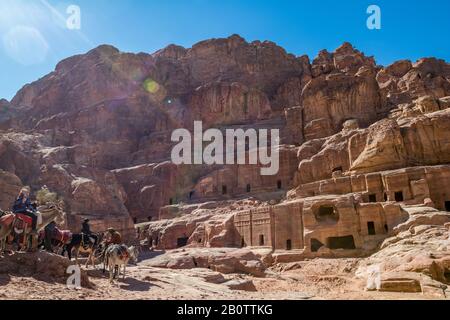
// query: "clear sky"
[[34, 35]]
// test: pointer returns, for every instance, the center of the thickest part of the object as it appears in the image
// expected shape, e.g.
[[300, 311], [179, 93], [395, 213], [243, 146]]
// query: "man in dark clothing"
[[85, 227], [49, 231], [24, 206]]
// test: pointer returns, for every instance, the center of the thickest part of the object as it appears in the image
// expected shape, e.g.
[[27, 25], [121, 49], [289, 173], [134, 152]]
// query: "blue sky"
[[33, 35]]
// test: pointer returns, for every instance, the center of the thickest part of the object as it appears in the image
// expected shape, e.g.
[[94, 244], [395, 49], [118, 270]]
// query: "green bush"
[[44, 196]]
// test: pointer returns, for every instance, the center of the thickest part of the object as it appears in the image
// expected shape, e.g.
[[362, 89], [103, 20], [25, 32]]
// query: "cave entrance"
[[337, 169], [279, 184], [224, 189], [372, 198], [316, 245], [242, 243], [170, 201], [289, 244], [249, 188], [182, 242], [447, 206], [261, 240], [399, 196], [371, 228], [447, 275], [327, 214], [347, 242]]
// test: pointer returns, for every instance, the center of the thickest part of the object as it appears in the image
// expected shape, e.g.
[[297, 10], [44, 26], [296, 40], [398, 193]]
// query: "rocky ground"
[[313, 282], [414, 264]]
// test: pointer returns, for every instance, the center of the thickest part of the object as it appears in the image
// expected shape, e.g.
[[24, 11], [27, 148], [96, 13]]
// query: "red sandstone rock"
[[97, 131]]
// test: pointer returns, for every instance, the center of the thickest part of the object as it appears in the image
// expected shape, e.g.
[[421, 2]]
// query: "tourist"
[[24, 206], [85, 227]]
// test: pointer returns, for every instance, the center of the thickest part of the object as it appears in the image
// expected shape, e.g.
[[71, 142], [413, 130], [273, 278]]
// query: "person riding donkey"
[[24, 206], [85, 227], [113, 237]]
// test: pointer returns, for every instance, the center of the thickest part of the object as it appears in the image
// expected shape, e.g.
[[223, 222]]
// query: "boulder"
[[222, 260]]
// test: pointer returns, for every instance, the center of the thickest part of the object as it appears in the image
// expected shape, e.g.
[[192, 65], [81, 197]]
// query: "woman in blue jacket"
[[24, 206]]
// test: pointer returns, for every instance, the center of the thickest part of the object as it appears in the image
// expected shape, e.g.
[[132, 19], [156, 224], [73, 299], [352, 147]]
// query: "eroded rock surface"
[[364, 157]]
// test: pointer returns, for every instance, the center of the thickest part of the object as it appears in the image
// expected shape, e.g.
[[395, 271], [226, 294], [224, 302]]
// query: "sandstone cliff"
[[97, 129]]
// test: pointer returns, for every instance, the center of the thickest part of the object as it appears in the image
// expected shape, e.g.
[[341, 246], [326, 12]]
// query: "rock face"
[[344, 86], [43, 266], [353, 135], [10, 185], [416, 259], [221, 260]]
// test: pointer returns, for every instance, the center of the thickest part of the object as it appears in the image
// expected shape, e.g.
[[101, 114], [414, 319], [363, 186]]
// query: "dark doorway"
[[399, 196], [135, 220], [385, 197], [316, 245], [242, 243], [327, 214], [386, 227], [261, 239], [289, 244], [371, 228], [279, 184], [346, 242], [170, 201], [191, 195], [182, 242], [224, 189], [249, 188], [447, 206], [372, 198]]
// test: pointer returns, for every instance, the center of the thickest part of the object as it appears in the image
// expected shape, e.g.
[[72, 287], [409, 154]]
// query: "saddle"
[[122, 252], [21, 221], [61, 236]]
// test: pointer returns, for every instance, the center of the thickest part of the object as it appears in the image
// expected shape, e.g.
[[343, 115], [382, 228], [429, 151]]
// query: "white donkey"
[[117, 256]]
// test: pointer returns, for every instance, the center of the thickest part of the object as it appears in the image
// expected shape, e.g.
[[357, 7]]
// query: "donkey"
[[83, 243], [47, 213], [117, 256], [6, 219]]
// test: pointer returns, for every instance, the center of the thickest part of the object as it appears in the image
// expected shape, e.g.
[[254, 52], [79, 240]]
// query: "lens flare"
[[151, 86], [25, 45]]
